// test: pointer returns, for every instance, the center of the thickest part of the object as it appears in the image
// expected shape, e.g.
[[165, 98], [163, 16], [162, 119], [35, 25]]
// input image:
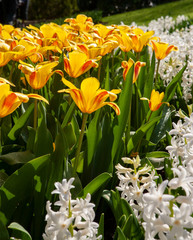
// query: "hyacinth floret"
[[74, 219]]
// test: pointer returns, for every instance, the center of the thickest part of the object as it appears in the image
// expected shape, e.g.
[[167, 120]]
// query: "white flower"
[[183, 180]]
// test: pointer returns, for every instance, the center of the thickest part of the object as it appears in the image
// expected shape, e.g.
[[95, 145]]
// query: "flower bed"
[[96, 127]]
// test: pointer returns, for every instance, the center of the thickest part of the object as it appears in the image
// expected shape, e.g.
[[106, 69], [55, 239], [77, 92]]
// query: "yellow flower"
[[125, 41], [80, 23], [38, 76], [9, 100], [78, 63], [155, 101], [162, 49], [140, 39], [90, 97], [127, 65]]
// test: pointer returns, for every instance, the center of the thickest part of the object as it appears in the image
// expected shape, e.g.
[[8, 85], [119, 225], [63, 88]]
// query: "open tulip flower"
[[9, 100], [78, 63], [140, 39], [38, 76], [162, 49], [90, 97], [126, 65], [155, 100]]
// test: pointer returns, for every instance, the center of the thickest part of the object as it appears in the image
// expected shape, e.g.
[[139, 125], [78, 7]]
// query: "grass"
[[145, 15]]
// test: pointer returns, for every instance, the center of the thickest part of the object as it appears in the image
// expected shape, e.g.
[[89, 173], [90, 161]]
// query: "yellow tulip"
[[155, 100], [162, 49], [90, 97], [127, 65], [78, 63], [9, 100], [140, 39], [81, 23], [125, 41], [38, 76]]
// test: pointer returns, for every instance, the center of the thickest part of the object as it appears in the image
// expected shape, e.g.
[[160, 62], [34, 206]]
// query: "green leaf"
[[17, 157], [171, 88], [121, 234], [20, 124], [19, 185], [95, 184], [19, 232], [137, 137], [165, 124], [121, 121], [4, 235], [43, 140], [157, 154], [101, 226]]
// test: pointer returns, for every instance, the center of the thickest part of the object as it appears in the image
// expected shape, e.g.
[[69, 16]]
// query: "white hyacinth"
[[74, 219], [165, 210]]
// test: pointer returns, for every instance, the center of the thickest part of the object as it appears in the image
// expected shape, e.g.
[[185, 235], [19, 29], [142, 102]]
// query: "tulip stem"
[[99, 70], [11, 72], [85, 116], [35, 113], [156, 77]]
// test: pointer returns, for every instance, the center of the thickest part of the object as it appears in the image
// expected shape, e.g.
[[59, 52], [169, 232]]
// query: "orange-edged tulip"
[[162, 49], [127, 65], [125, 41], [38, 76], [90, 97], [78, 63], [80, 23], [9, 100], [140, 39], [155, 100]]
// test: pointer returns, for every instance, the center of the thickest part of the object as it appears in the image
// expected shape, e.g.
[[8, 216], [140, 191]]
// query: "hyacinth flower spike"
[[89, 98]]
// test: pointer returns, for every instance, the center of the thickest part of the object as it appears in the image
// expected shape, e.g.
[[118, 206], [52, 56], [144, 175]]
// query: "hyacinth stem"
[[156, 77], [85, 116], [171, 204], [70, 215]]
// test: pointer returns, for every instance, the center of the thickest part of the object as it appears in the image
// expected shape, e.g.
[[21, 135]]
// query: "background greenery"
[[60, 9]]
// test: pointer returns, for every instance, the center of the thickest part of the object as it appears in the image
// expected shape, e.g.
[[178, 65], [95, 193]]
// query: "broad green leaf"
[[3, 178], [17, 157], [43, 140], [171, 88], [20, 124], [102, 160], [137, 137], [19, 185], [165, 124], [4, 235], [121, 121], [93, 134], [97, 183], [19, 232], [58, 163]]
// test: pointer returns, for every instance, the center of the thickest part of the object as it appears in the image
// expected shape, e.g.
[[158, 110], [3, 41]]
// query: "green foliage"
[[49, 9]]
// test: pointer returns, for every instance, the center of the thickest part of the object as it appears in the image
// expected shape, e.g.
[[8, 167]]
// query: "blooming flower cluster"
[[164, 210], [167, 29], [75, 218]]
